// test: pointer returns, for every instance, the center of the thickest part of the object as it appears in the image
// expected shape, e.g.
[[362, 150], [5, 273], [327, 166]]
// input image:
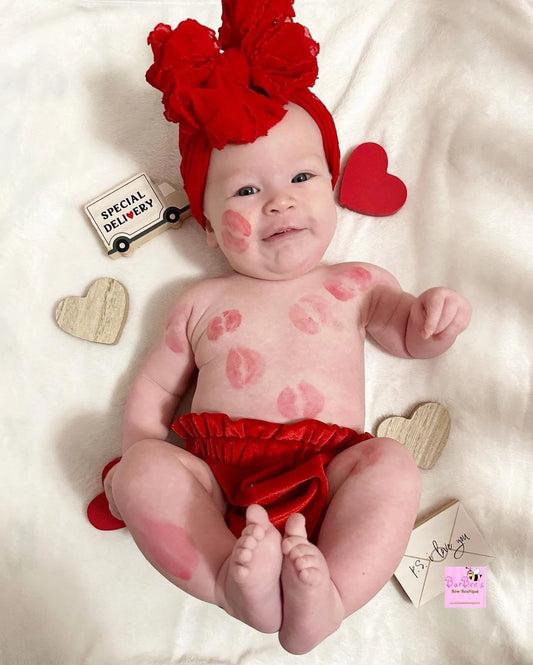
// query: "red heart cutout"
[[130, 214], [366, 186]]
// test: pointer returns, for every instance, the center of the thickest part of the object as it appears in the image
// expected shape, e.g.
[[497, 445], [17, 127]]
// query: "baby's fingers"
[[447, 316], [434, 313]]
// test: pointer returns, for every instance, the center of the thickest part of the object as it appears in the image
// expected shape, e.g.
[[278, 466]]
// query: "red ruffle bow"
[[233, 89]]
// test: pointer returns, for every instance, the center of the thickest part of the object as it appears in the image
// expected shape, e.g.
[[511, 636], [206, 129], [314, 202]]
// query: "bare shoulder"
[[366, 275]]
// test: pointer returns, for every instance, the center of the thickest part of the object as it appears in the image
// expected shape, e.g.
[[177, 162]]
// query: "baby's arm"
[[161, 382], [157, 389], [411, 327]]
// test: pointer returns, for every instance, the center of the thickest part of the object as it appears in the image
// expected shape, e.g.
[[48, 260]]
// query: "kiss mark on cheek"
[[228, 322], [309, 314], [349, 284], [236, 230], [170, 548], [307, 402], [244, 367]]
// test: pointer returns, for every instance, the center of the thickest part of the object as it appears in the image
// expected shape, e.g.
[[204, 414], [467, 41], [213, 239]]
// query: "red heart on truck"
[[366, 186]]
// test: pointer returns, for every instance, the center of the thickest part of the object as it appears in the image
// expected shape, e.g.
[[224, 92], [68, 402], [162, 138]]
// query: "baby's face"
[[270, 204]]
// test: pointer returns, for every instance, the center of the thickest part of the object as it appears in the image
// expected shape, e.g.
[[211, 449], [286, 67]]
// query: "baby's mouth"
[[285, 232]]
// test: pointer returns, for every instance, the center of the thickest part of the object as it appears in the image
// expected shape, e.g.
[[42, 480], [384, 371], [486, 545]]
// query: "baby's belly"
[[245, 387]]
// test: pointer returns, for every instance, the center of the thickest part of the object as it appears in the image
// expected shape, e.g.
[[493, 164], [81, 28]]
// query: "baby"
[[280, 510]]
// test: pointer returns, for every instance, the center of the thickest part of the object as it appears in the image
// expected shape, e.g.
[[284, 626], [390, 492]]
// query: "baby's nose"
[[280, 202]]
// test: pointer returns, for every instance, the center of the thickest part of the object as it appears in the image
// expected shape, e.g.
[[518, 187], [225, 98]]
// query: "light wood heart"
[[97, 317], [424, 434]]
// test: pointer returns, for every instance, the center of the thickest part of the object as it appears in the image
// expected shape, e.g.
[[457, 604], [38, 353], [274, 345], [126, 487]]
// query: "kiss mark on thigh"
[[307, 402], [228, 322], [236, 230], [244, 367], [369, 456], [170, 548], [348, 284], [309, 314]]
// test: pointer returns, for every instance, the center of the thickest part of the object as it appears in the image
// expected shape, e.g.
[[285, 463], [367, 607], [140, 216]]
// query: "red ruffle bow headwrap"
[[235, 88]]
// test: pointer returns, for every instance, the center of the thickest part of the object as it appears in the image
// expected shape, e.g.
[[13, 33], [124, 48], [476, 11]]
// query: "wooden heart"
[[424, 434], [97, 317], [366, 186]]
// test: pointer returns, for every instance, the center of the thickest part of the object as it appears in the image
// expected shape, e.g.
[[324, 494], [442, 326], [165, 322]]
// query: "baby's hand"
[[440, 312]]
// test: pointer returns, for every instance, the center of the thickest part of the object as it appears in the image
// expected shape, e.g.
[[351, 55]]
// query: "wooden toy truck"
[[134, 211]]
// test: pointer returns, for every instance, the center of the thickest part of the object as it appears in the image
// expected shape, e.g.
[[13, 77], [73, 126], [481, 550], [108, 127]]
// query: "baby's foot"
[[252, 583], [312, 607]]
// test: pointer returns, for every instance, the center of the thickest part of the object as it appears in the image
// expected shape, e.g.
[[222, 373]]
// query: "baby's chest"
[[284, 332]]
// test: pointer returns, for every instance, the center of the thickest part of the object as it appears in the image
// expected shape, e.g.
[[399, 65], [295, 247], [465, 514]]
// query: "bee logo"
[[474, 575]]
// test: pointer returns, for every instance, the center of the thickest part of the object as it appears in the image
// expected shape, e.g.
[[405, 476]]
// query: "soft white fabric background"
[[447, 89]]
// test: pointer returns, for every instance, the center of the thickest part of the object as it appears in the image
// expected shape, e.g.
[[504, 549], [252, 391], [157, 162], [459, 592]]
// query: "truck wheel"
[[172, 215], [121, 245]]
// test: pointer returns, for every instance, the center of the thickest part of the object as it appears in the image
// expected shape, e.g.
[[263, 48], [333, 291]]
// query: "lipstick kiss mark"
[[348, 284], [236, 231], [308, 402], [244, 366], [175, 338], [309, 314], [171, 548], [174, 342], [229, 322]]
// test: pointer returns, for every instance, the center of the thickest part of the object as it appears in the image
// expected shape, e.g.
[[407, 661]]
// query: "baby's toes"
[[306, 560], [244, 549], [307, 570], [255, 531]]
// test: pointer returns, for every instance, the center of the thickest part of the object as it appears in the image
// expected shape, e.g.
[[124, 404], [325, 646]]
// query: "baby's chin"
[[277, 273], [286, 259]]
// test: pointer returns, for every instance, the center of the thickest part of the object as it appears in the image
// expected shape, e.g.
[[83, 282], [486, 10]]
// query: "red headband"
[[236, 88]]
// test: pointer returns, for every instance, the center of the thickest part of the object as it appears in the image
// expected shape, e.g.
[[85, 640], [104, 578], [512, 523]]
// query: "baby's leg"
[[373, 501], [174, 509]]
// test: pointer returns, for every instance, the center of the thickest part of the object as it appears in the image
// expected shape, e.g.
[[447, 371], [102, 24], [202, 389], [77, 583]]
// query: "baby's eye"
[[247, 191], [302, 177]]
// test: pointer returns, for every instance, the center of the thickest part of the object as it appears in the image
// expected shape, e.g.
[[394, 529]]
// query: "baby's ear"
[[210, 236]]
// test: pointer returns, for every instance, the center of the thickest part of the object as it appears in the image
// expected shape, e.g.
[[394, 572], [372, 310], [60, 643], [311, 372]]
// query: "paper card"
[[449, 538]]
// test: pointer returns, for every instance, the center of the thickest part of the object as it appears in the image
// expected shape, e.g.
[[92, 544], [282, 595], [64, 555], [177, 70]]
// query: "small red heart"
[[366, 186], [130, 214]]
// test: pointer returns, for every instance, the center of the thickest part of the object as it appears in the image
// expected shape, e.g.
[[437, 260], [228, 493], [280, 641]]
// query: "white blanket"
[[447, 89]]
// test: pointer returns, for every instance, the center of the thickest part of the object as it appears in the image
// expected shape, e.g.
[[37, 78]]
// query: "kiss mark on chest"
[[227, 323], [244, 367], [306, 401], [348, 284], [310, 314], [236, 231]]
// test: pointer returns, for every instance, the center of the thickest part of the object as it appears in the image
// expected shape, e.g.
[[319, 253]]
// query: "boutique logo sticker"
[[465, 587]]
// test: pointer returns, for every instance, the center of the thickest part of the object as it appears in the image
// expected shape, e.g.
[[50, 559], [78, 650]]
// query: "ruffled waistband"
[[204, 433]]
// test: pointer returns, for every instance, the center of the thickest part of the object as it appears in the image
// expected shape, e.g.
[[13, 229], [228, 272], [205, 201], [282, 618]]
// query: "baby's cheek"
[[348, 284], [236, 231]]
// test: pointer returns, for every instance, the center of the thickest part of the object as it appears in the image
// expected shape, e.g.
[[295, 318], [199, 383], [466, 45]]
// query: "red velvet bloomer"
[[279, 466]]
